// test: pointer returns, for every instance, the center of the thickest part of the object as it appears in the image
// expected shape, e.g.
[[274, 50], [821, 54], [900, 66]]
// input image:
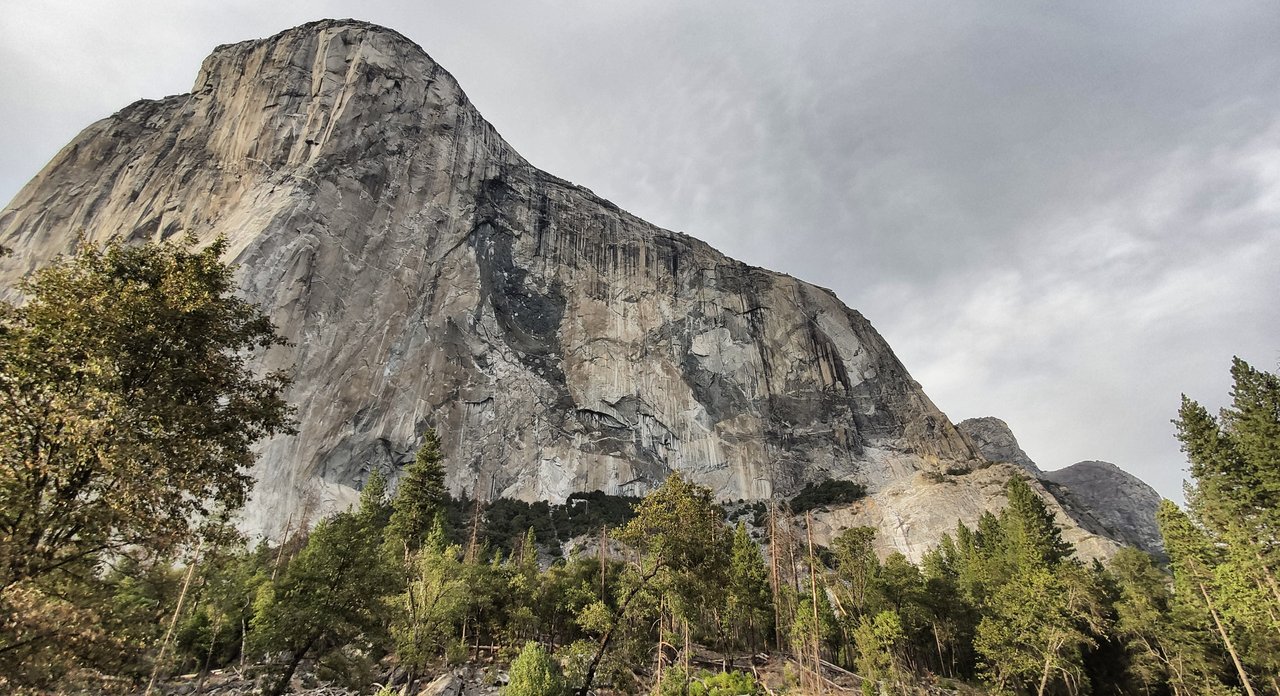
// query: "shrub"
[[827, 493], [534, 674]]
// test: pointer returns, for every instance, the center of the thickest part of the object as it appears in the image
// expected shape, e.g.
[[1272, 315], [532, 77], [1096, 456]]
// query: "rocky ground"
[[463, 681]]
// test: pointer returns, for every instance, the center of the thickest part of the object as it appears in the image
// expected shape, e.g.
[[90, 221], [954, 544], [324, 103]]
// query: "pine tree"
[[680, 533], [856, 567], [880, 641], [1037, 627], [1029, 535], [1193, 558], [749, 602], [1166, 645], [1229, 548], [420, 496]]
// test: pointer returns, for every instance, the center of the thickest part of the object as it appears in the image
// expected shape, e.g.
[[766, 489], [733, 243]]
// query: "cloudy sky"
[[1062, 214]]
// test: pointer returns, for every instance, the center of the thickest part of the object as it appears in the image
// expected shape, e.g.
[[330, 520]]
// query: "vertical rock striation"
[[427, 275]]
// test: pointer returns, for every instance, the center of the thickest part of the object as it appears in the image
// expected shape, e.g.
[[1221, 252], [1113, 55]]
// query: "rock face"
[[1098, 496], [428, 275], [995, 442], [1122, 504]]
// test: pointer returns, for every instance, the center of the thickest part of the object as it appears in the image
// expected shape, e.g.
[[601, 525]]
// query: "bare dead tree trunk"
[[1231, 648], [284, 541], [773, 575], [813, 589], [604, 539], [173, 622]]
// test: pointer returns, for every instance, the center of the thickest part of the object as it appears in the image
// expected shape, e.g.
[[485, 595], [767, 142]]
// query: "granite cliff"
[[1098, 496], [427, 275]]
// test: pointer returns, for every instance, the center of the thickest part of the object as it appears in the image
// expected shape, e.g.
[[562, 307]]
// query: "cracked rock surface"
[[427, 275]]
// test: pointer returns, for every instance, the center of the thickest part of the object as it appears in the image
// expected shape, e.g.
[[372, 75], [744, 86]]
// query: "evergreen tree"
[[1193, 558], [749, 602], [1165, 643], [1229, 547], [1038, 625], [856, 567], [420, 495], [681, 536], [1029, 536], [433, 602], [880, 641]]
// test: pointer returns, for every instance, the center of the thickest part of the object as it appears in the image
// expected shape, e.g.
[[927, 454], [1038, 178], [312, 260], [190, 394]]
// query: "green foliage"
[[506, 521], [128, 411], [1040, 623], [879, 641], [434, 601], [324, 603], [420, 496], [856, 567], [828, 493], [748, 601], [1000, 601], [129, 406], [533, 673], [1224, 553], [1167, 642], [1029, 534], [724, 684], [703, 683], [803, 631]]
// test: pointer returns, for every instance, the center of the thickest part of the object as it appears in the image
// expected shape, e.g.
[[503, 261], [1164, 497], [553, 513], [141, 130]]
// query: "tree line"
[[122, 466]]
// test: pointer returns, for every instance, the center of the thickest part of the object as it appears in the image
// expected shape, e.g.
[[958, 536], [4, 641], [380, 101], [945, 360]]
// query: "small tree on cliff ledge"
[[127, 405]]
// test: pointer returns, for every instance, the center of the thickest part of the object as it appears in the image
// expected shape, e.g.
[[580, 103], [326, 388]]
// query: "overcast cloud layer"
[[1061, 214]]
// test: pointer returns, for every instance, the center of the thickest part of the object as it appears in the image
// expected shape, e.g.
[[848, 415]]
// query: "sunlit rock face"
[[427, 275]]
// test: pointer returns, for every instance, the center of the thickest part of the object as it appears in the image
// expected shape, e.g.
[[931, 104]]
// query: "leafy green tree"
[[1235, 461], [680, 532], [953, 619], [1029, 536], [128, 412], [129, 405], [1039, 624], [1165, 641], [332, 593], [856, 567], [901, 589], [433, 602], [1235, 504], [1194, 559], [534, 673], [880, 641], [803, 629]]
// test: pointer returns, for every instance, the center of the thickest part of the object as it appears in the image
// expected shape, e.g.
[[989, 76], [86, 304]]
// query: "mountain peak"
[[426, 275]]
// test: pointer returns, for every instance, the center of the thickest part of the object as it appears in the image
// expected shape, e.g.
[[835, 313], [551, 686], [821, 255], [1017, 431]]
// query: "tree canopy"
[[129, 406], [129, 403]]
